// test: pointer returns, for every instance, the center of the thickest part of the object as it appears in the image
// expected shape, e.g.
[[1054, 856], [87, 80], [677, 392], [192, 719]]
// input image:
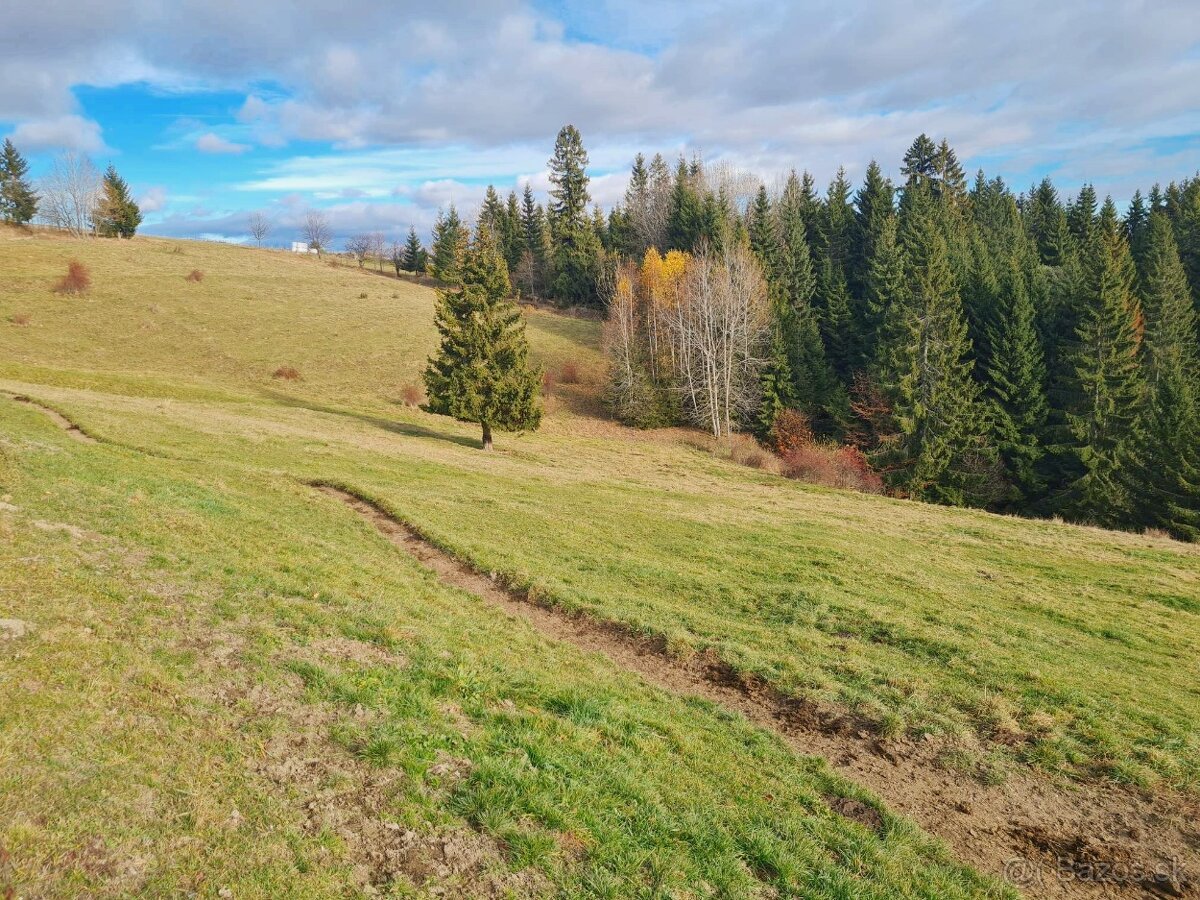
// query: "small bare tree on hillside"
[[70, 193], [260, 227], [359, 247], [316, 230], [377, 248]]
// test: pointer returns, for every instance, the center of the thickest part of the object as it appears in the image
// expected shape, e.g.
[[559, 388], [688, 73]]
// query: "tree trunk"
[[487, 436]]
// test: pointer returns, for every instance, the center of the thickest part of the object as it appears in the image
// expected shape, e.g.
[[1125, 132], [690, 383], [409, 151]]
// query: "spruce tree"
[[940, 452], [1048, 224], [685, 223], [1016, 386], [18, 201], [569, 195], [1081, 216], [814, 386], [413, 259], [512, 233], [481, 371], [1105, 386], [874, 204], [449, 247], [1167, 492], [116, 214]]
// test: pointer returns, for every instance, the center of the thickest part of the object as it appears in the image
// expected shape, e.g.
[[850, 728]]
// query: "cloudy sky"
[[380, 111]]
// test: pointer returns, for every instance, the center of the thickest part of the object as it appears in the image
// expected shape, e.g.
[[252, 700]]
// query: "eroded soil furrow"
[[72, 430], [1050, 840]]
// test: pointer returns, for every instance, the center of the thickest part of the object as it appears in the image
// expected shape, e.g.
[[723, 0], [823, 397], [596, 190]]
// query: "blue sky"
[[382, 112]]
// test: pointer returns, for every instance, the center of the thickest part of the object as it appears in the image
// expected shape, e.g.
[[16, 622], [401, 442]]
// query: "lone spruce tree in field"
[[116, 214], [18, 202], [481, 372]]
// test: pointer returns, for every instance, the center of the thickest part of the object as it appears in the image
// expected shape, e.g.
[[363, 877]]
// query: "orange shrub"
[[547, 383], [791, 431], [569, 373], [77, 280], [195, 275], [287, 373], [411, 395], [21, 319], [833, 466]]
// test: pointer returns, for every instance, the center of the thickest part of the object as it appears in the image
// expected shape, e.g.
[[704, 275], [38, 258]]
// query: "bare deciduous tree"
[[316, 230], [70, 193], [719, 328], [359, 247], [260, 227], [377, 247]]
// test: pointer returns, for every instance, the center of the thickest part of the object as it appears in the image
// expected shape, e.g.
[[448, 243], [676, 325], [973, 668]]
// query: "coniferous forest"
[[1023, 352]]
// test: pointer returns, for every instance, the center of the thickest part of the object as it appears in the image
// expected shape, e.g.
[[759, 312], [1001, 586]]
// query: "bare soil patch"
[[1049, 839]]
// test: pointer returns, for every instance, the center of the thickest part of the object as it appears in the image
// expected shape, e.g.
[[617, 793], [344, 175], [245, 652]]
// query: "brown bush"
[[569, 373], [833, 466], [21, 319], [77, 280], [195, 275], [287, 373], [791, 431], [547, 383], [412, 395]]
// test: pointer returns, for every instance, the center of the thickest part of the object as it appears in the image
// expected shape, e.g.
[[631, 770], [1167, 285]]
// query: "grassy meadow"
[[228, 673]]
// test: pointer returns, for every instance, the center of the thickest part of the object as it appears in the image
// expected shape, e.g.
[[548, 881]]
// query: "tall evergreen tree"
[[569, 197], [481, 371], [1105, 386], [1137, 224], [814, 385], [512, 232], [1167, 492], [685, 224], [116, 214], [1081, 216], [874, 204], [940, 451], [1048, 224], [1016, 385], [448, 248], [413, 259], [18, 200]]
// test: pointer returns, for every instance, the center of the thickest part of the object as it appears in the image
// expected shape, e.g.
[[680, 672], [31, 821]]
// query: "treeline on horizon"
[[1016, 352]]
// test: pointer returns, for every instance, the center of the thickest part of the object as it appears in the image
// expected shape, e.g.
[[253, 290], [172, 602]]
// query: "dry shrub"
[[177, 249], [362, 296], [287, 373], [334, 264], [833, 466], [195, 275], [738, 448], [791, 431], [19, 319], [569, 373], [745, 451], [77, 280], [412, 395], [547, 383]]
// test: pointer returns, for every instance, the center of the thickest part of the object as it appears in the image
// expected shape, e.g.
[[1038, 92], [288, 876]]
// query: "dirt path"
[[58, 418], [1093, 841]]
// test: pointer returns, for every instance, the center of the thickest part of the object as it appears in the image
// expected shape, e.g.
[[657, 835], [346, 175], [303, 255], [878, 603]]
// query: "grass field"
[[202, 620]]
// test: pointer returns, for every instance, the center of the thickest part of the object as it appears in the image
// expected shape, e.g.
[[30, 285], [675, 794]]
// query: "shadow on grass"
[[408, 429]]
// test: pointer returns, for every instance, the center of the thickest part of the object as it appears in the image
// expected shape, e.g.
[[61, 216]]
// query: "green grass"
[[1085, 643]]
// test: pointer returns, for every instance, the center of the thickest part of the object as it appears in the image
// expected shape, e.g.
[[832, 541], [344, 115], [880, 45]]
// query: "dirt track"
[[1090, 840]]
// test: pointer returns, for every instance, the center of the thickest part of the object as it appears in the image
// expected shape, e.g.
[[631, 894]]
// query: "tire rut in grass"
[[1137, 845], [72, 430]]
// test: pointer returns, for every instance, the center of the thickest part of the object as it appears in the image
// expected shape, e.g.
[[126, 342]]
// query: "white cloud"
[[153, 200], [67, 132], [214, 143]]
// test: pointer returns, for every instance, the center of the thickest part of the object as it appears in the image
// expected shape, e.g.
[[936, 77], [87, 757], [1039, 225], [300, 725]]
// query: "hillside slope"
[[182, 565]]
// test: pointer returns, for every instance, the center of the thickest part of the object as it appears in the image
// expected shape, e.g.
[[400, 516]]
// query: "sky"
[[381, 112]]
